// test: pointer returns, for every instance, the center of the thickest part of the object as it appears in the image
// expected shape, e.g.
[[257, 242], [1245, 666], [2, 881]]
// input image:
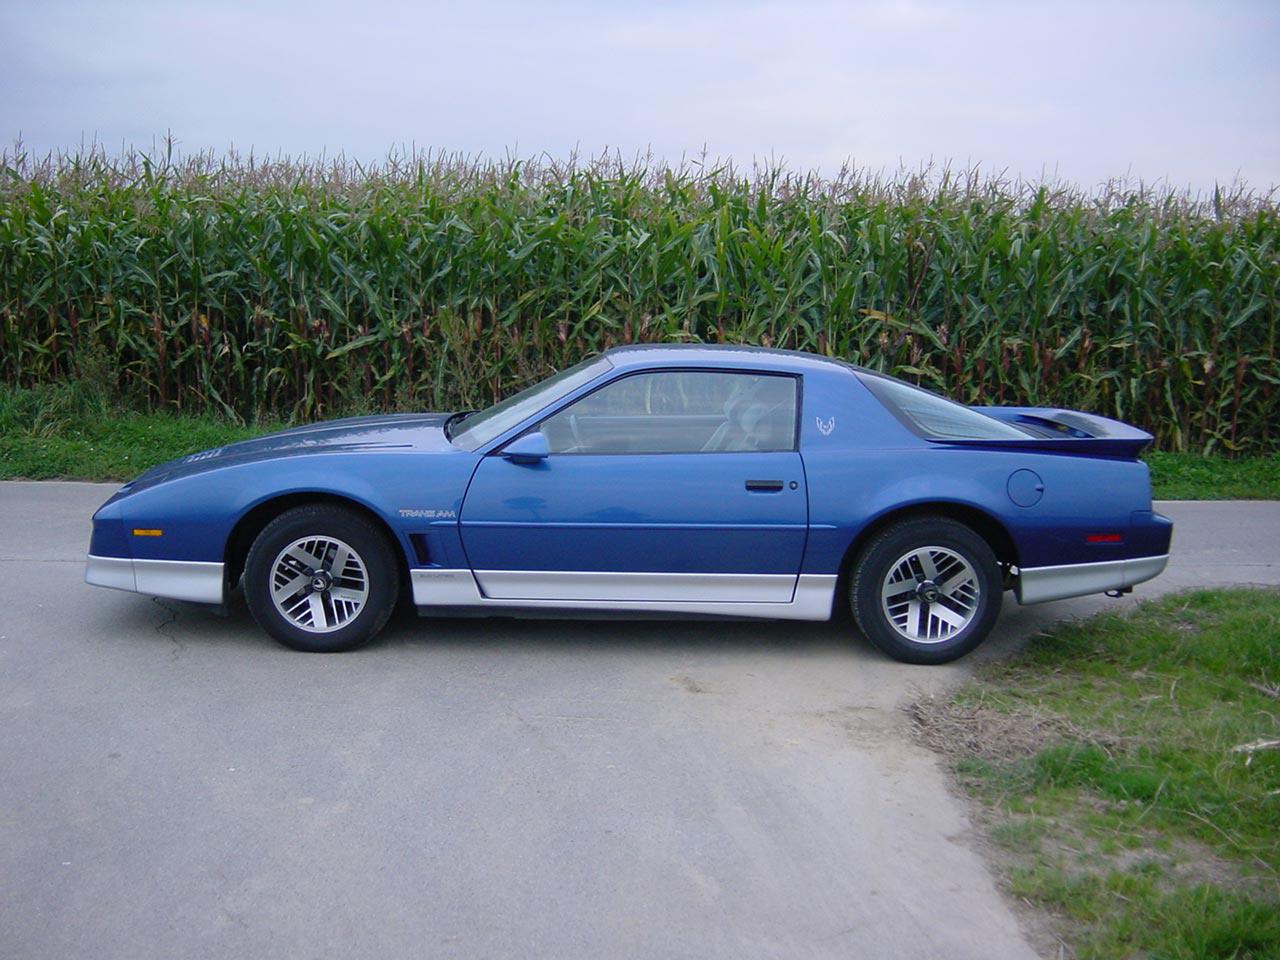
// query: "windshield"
[[934, 416], [478, 429]]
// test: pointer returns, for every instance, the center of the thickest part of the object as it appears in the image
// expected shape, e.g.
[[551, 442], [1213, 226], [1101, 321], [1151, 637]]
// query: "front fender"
[[196, 514]]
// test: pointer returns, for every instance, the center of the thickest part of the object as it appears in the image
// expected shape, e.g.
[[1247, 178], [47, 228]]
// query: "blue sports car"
[[675, 480]]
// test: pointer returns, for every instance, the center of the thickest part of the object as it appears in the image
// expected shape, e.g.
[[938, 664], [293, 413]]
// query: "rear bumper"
[[1039, 584], [175, 579]]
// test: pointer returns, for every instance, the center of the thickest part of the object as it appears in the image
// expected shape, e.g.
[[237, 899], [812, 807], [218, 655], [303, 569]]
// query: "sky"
[[1185, 92]]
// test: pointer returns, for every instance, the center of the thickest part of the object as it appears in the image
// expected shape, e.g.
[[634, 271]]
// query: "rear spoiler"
[[1064, 431]]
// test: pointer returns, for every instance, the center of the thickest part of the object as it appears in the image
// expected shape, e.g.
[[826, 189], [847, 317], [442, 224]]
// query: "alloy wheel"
[[319, 584], [930, 594]]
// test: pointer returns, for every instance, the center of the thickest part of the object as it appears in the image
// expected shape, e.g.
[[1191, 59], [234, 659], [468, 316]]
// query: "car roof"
[[729, 356]]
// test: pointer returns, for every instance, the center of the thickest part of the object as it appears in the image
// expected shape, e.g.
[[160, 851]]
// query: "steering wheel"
[[573, 429]]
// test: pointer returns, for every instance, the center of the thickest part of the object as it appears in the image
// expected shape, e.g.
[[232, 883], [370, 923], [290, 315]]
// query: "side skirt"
[[445, 591]]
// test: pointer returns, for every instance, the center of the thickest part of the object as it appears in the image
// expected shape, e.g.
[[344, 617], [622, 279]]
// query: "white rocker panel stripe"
[[1040, 584], [191, 580], [812, 598], [678, 587]]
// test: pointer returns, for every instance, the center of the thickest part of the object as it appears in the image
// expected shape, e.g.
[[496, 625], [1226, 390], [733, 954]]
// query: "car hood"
[[423, 432]]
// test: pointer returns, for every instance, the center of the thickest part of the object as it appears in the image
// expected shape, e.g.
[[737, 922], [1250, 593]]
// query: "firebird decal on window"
[[826, 427]]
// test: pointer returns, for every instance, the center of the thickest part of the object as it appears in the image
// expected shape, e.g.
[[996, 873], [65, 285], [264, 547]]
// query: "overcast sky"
[[1187, 92]]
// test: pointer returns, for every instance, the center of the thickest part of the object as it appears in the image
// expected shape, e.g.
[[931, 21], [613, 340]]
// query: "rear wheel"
[[321, 579], [926, 590]]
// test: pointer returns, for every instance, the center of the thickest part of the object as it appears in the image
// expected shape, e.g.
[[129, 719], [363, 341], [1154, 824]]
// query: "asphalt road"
[[175, 785]]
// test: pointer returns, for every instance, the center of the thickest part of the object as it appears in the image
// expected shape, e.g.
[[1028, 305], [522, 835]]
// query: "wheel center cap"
[[928, 591], [321, 581]]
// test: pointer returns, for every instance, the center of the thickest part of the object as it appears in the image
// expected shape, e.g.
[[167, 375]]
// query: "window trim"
[[796, 378]]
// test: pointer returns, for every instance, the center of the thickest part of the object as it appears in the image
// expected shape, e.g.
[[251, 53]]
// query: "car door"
[[665, 485]]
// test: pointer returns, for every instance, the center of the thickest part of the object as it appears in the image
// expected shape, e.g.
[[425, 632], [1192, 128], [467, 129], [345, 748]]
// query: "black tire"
[[357, 601], [893, 553]]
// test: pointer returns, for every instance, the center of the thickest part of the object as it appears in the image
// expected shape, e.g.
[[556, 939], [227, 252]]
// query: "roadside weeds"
[[1121, 778]]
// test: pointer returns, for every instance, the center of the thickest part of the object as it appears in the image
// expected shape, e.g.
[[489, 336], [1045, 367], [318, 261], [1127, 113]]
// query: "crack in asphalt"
[[162, 627]]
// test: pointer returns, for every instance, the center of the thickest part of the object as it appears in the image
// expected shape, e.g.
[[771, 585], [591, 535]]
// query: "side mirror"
[[529, 448]]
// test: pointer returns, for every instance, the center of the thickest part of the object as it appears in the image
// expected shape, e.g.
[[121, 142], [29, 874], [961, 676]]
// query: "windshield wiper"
[[453, 420]]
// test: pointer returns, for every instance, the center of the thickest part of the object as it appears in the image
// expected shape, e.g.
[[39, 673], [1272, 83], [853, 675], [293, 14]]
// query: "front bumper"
[[1039, 584], [175, 579]]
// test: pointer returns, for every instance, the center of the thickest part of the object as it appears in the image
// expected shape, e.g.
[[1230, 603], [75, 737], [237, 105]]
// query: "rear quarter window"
[[935, 417]]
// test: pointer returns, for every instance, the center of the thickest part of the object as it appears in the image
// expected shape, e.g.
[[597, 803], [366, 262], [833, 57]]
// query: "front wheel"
[[321, 579], [926, 590]]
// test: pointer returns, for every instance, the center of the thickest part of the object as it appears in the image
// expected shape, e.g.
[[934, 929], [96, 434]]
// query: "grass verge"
[[1189, 476], [1127, 773], [70, 433], [118, 449]]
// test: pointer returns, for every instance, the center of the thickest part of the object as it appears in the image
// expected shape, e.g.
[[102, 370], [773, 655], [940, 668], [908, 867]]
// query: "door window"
[[680, 411]]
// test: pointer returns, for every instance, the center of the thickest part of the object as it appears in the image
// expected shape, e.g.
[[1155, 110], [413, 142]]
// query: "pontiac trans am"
[[672, 480]]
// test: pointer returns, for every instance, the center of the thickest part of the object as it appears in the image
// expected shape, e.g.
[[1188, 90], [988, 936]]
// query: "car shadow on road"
[[838, 638], [178, 624]]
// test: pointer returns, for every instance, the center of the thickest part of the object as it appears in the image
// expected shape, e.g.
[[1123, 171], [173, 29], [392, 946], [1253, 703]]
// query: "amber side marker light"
[[139, 532], [1090, 538]]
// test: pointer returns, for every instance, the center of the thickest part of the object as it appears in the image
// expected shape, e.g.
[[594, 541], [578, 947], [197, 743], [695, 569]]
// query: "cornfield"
[[309, 288]]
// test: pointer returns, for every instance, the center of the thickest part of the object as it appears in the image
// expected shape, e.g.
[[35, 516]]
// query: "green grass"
[[1104, 762], [69, 433], [1187, 476], [115, 449]]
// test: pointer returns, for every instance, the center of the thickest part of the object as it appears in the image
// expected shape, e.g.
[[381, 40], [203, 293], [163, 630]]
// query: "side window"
[[680, 411]]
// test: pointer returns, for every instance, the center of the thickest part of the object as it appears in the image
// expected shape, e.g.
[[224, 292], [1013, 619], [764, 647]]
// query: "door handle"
[[764, 486]]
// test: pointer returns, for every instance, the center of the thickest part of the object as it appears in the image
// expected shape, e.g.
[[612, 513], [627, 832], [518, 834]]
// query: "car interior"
[[679, 412]]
